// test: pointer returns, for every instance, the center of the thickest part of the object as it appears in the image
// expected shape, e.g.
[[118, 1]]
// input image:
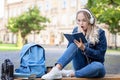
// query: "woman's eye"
[[78, 20], [84, 20]]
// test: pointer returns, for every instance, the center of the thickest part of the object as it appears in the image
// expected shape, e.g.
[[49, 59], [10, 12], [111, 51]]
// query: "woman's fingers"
[[77, 43], [80, 40]]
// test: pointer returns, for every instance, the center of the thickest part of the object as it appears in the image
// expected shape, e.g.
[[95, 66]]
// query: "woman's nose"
[[81, 22]]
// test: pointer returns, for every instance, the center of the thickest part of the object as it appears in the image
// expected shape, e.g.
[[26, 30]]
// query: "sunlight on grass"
[[113, 51], [9, 47]]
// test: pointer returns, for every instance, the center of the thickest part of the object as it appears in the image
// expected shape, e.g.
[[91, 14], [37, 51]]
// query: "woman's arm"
[[98, 51]]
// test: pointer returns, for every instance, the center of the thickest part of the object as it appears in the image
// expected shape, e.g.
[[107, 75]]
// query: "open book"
[[77, 36]]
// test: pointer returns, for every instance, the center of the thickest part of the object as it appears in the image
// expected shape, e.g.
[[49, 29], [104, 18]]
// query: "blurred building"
[[61, 14]]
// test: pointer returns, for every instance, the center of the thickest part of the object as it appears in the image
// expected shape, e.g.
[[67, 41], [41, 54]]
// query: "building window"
[[19, 11], [48, 6], [73, 3], [40, 7], [26, 7], [113, 39], [72, 19], [64, 21], [64, 3], [54, 21], [10, 13]]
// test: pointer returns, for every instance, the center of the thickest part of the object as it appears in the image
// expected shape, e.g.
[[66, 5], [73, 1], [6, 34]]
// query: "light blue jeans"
[[82, 68]]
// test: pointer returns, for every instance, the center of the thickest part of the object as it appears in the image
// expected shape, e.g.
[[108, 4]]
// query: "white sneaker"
[[55, 73], [67, 73]]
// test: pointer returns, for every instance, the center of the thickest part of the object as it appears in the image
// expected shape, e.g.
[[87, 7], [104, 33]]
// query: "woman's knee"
[[98, 65]]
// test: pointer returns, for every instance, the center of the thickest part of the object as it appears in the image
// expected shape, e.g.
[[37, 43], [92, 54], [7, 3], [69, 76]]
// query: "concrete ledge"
[[107, 77]]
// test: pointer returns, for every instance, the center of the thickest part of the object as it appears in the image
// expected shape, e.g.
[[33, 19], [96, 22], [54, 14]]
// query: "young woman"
[[88, 58]]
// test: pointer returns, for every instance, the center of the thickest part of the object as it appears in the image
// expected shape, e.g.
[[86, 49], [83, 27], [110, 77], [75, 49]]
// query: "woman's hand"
[[80, 44]]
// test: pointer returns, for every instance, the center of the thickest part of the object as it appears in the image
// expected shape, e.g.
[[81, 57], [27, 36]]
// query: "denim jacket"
[[95, 52]]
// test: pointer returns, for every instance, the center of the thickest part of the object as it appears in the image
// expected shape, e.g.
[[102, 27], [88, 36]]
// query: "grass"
[[113, 50], [9, 47]]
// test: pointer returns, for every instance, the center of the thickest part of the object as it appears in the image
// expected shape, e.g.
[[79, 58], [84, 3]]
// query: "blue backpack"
[[32, 61]]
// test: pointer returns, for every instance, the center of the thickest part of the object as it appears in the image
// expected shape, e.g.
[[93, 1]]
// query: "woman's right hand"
[[80, 44]]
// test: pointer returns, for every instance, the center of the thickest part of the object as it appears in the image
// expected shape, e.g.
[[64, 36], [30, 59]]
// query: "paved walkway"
[[112, 60]]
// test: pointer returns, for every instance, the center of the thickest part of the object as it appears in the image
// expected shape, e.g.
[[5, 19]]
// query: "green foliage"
[[107, 11], [12, 25], [112, 18], [28, 21]]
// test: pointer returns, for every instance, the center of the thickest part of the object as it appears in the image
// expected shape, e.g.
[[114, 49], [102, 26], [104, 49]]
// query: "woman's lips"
[[82, 26]]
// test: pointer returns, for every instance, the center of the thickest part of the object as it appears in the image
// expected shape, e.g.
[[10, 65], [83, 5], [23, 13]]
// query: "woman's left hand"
[[80, 44]]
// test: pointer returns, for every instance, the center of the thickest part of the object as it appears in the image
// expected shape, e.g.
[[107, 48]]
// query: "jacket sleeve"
[[97, 51]]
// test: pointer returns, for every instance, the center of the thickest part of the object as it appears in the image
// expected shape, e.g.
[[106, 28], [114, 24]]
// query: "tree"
[[27, 22], [107, 11]]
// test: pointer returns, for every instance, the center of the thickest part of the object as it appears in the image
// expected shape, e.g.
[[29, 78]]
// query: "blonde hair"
[[92, 34]]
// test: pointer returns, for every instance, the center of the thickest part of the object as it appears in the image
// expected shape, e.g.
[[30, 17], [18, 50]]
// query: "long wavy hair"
[[92, 34]]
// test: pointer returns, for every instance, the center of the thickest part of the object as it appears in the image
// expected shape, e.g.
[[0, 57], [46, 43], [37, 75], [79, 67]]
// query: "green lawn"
[[113, 51], [7, 47], [118, 49]]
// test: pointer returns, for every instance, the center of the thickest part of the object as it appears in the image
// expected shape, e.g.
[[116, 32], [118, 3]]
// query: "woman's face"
[[82, 21]]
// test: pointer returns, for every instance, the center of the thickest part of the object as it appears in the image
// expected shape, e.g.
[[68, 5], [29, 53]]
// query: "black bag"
[[7, 70]]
